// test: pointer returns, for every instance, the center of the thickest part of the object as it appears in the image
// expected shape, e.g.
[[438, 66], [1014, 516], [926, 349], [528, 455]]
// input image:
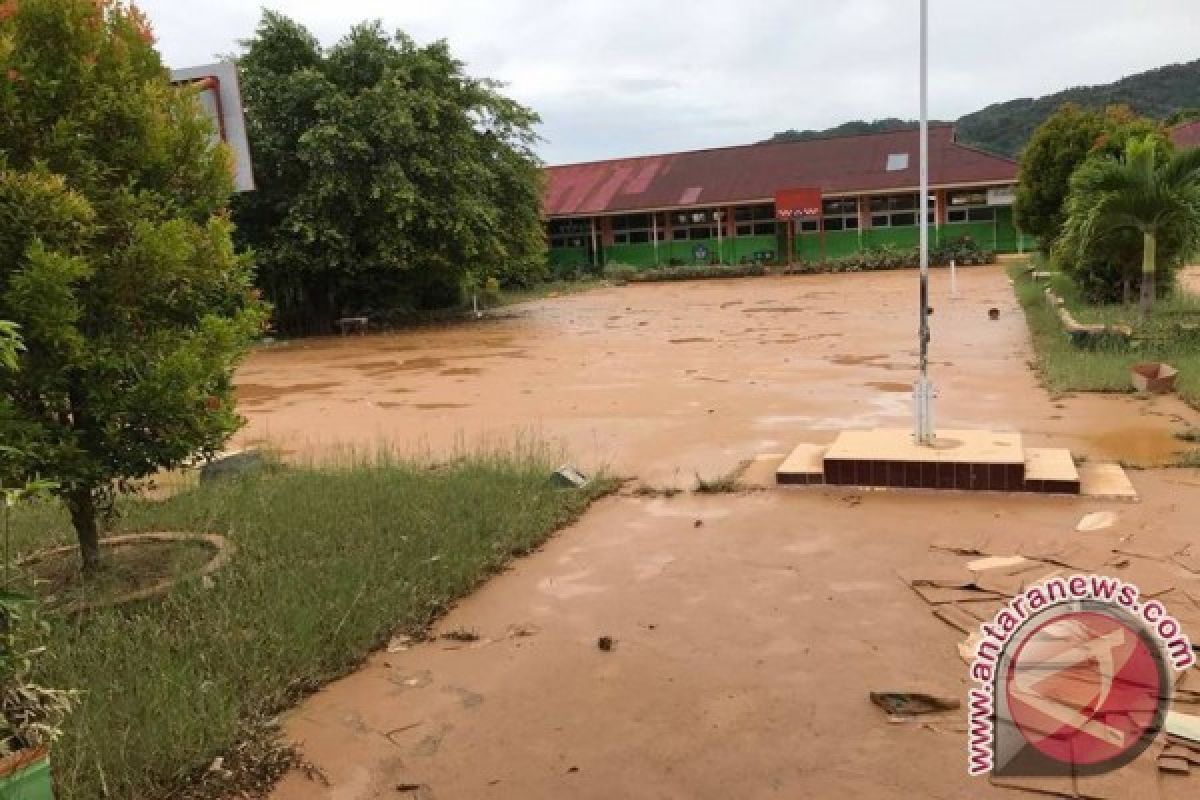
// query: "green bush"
[[963, 250]]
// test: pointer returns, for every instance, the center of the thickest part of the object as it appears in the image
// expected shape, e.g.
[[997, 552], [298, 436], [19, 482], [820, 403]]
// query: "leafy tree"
[[116, 258], [1142, 193], [385, 175], [1058, 146]]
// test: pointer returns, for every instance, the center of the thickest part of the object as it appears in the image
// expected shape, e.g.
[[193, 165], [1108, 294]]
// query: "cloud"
[[638, 76]]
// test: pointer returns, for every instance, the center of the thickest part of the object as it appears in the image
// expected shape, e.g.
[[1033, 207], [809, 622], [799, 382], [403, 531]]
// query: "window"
[[897, 162], [897, 210], [637, 228], [969, 206], [568, 232], [700, 223], [840, 214], [760, 213], [807, 225]]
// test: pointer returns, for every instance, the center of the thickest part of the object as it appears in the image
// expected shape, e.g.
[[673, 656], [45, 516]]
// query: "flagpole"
[[923, 394]]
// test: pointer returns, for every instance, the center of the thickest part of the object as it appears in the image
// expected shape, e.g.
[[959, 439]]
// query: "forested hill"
[[1005, 127]]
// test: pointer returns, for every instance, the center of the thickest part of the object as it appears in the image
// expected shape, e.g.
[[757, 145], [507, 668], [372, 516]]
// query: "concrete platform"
[[958, 459], [1051, 470], [804, 467], [1106, 482], [971, 460]]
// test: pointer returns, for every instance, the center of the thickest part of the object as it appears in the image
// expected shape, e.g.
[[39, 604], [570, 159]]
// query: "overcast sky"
[[629, 77]]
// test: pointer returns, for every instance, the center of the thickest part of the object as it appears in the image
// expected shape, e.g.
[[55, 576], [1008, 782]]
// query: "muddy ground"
[[748, 627], [664, 381]]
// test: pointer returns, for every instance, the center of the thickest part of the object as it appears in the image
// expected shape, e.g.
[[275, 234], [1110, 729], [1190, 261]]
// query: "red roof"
[[753, 172], [1187, 134]]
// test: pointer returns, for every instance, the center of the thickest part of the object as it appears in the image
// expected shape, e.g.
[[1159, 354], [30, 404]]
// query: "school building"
[[814, 199]]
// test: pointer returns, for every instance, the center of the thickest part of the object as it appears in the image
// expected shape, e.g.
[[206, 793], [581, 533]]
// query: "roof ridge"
[[768, 143]]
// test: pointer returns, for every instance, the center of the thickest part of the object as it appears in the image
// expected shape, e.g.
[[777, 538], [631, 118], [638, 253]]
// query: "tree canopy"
[[116, 258], [1058, 147], [1143, 191], [386, 175]]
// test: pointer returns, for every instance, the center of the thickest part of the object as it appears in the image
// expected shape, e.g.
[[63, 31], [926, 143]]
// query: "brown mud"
[[606, 374]]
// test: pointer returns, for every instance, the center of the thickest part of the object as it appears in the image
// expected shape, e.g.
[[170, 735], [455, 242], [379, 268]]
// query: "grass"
[[722, 484], [1065, 367], [330, 562]]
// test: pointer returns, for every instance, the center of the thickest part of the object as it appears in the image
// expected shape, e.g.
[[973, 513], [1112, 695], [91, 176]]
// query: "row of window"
[[838, 214]]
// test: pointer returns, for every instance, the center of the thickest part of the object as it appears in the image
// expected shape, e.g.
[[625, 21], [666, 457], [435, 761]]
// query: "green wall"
[[568, 256], [1000, 236], [732, 251]]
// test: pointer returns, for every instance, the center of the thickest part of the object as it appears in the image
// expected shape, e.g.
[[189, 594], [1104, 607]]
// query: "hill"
[[1005, 127]]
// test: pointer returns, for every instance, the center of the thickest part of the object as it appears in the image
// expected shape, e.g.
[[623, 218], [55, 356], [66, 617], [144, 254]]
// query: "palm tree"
[[1139, 191]]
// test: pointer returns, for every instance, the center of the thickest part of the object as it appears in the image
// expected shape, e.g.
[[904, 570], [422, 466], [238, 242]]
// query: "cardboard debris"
[[1184, 726], [969, 646], [1005, 563], [1096, 521], [1187, 754], [982, 610], [1174, 765], [953, 615], [937, 595]]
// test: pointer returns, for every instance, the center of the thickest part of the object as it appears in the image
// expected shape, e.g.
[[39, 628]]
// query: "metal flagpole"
[[923, 394]]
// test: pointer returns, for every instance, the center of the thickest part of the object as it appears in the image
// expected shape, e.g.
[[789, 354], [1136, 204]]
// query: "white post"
[[720, 223], [953, 279], [654, 235], [923, 392]]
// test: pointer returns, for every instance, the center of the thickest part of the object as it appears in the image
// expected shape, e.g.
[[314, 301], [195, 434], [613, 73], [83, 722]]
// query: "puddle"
[[1141, 445], [261, 393], [434, 406], [424, 362], [889, 386], [689, 340], [461, 371]]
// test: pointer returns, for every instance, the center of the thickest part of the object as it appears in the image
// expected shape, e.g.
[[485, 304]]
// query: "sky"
[[632, 77]]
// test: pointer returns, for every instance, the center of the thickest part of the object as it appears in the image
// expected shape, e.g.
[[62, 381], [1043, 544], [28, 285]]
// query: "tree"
[[116, 259], [1138, 192], [1057, 147], [385, 175]]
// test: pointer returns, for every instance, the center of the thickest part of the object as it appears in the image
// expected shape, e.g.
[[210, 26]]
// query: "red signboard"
[[795, 203]]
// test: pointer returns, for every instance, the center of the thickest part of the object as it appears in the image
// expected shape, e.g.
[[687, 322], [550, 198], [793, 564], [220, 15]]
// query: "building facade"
[[719, 206]]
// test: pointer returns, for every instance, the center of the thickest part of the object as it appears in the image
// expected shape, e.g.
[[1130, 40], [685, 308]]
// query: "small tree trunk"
[[1149, 247], [82, 505]]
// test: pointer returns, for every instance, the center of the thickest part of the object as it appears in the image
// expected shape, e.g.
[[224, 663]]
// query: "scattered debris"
[[969, 647], [1153, 376], [1183, 726], [904, 704], [698, 523], [408, 787], [461, 635], [1096, 521], [521, 630], [1174, 765], [996, 562], [567, 477], [399, 643], [606, 643], [993, 313], [953, 615]]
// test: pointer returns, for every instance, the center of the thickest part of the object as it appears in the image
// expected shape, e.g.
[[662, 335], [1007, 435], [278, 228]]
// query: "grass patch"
[[330, 562], [722, 484], [1065, 367]]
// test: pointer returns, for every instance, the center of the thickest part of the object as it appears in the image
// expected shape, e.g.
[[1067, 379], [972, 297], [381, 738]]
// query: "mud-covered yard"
[[749, 627]]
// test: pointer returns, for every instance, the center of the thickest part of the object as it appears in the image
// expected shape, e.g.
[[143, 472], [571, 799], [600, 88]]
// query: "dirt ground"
[[750, 627]]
